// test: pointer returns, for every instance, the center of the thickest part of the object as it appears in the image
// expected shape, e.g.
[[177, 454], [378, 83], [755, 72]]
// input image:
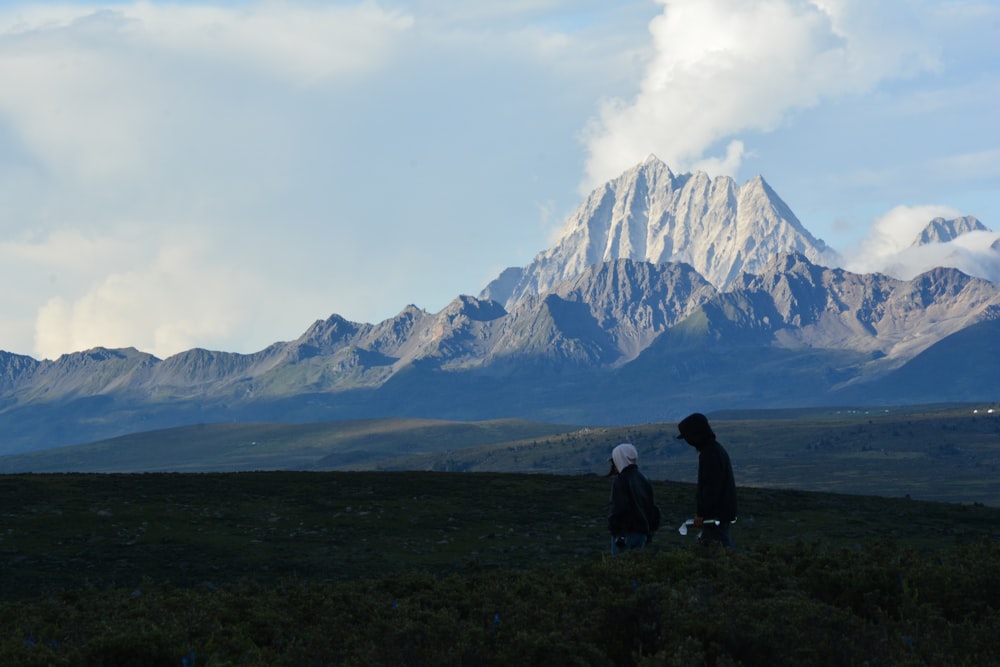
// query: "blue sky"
[[220, 175]]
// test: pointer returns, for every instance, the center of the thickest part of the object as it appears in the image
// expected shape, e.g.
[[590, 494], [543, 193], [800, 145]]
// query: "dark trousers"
[[628, 542], [711, 534]]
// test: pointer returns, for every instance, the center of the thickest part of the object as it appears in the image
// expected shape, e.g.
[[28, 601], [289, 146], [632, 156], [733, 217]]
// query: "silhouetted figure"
[[634, 515], [716, 496]]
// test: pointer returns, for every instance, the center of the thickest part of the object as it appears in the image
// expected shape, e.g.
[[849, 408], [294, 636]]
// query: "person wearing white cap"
[[634, 515]]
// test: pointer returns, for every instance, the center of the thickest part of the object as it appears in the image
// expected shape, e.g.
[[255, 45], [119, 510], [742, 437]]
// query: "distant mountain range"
[[665, 294]]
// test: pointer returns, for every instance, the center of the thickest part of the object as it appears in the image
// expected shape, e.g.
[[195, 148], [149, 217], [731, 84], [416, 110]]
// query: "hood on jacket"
[[695, 430], [624, 455]]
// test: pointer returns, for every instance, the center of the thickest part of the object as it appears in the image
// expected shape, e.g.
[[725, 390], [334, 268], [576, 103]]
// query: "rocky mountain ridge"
[[614, 324], [475, 360], [941, 230]]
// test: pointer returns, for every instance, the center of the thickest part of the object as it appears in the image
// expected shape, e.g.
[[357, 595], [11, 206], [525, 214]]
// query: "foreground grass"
[[790, 605], [477, 569]]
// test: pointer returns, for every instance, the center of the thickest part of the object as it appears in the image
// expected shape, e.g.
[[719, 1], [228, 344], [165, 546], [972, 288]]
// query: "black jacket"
[[632, 506], [716, 485]]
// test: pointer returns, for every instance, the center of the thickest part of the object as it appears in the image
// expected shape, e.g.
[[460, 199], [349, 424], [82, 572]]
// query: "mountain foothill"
[[665, 293]]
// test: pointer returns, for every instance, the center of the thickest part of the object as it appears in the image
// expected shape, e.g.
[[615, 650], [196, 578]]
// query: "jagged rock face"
[[837, 309], [636, 301], [649, 214], [94, 372], [457, 336], [15, 367], [605, 315], [940, 230]]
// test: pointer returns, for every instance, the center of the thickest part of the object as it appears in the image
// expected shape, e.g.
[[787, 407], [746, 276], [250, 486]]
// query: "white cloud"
[[39, 267], [725, 66], [177, 299], [888, 248], [93, 93], [306, 43], [132, 133], [970, 253], [725, 165], [73, 253], [894, 232]]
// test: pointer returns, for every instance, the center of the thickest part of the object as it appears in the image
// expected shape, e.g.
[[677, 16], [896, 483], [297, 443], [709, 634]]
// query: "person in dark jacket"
[[634, 515], [716, 494]]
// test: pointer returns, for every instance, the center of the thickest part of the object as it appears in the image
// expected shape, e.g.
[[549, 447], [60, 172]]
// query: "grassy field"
[[947, 453], [239, 446], [939, 453], [355, 568], [865, 538], [115, 530]]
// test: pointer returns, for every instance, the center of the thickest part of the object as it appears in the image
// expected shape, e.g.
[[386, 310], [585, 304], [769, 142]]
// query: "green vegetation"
[[434, 568], [940, 453], [236, 446], [947, 453]]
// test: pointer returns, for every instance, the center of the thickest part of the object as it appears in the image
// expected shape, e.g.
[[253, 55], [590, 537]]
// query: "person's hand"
[[699, 521]]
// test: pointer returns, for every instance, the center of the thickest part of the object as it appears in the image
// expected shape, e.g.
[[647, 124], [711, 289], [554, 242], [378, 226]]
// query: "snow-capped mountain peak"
[[651, 214]]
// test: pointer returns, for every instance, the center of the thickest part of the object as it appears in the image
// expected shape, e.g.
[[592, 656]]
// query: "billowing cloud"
[[894, 232], [890, 247], [725, 66], [121, 291], [144, 154]]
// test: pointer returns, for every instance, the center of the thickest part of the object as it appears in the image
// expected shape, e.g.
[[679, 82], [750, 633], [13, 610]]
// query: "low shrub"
[[882, 604]]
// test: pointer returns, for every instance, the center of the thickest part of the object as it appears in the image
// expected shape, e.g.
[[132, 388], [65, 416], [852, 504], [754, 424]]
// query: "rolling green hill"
[[942, 453], [948, 453], [235, 446]]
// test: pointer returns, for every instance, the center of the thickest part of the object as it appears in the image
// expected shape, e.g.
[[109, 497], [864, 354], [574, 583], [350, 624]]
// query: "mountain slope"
[[964, 365]]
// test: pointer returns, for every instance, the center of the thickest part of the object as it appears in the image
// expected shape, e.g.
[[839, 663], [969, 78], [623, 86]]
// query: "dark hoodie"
[[716, 486], [716, 495], [632, 506]]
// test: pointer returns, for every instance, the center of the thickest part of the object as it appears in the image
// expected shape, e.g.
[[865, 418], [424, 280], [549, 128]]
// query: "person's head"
[[622, 457], [694, 430]]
